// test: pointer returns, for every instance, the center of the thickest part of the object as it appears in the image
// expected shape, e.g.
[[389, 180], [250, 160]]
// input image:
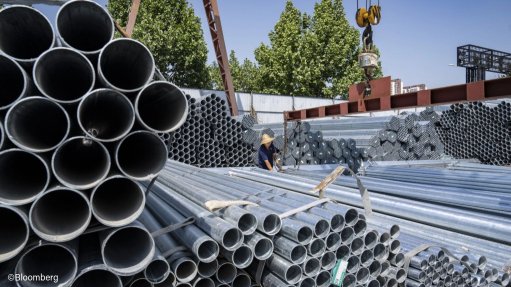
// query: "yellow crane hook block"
[[362, 17], [365, 17], [374, 16]]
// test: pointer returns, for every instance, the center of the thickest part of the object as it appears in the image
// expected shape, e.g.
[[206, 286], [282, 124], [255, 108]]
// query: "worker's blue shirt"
[[266, 154]]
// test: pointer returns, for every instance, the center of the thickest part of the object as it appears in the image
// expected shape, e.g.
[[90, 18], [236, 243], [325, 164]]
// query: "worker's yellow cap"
[[266, 139]]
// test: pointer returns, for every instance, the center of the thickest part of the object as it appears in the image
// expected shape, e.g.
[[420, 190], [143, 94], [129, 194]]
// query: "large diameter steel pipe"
[[161, 107], [184, 269], [106, 115], [169, 282], [98, 276], [14, 224], [117, 201], [158, 270], [60, 214], [226, 272], [192, 191], [52, 259], [84, 26], [125, 65], [229, 236], [287, 271], [127, 250], [91, 269], [242, 279], [292, 251], [468, 222], [37, 124], [81, 163], [297, 230], [64, 75], [14, 81], [141, 155], [26, 33], [207, 269], [311, 266], [201, 245], [262, 246], [23, 176], [241, 257]]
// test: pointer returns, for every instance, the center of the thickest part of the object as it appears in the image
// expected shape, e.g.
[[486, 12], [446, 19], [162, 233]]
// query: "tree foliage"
[[311, 55], [245, 76], [173, 33], [280, 60]]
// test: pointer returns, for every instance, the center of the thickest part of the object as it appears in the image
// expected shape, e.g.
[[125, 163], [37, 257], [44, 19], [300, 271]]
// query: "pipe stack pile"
[[407, 137], [404, 137], [301, 249], [209, 137], [361, 129], [475, 231], [476, 130], [305, 146], [73, 148]]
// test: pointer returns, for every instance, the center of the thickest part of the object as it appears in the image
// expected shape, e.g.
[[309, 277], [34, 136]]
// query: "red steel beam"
[[217, 34], [476, 91]]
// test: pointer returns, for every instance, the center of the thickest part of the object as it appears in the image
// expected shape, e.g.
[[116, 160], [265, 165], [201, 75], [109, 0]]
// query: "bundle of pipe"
[[74, 147], [404, 137], [476, 189], [209, 137], [359, 128], [468, 236], [305, 146], [298, 250], [477, 130], [408, 137], [248, 121], [415, 184]]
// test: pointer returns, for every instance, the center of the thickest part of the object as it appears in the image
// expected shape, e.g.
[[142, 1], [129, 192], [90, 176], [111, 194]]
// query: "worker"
[[266, 152]]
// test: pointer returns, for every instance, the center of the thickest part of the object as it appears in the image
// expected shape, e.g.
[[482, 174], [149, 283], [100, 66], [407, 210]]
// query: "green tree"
[[214, 75], [173, 33], [245, 76], [311, 55], [279, 60]]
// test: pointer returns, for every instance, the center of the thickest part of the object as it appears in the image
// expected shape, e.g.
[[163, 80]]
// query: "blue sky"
[[417, 38]]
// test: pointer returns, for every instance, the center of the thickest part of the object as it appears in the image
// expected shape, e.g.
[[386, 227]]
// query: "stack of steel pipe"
[[476, 235], [341, 127], [408, 137], [248, 121], [477, 130], [209, 137], [79, 124], [404, 137], [305, 146], [301, 249]]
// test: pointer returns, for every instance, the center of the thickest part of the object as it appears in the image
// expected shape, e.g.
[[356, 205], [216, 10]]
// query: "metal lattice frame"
[[478, 60]]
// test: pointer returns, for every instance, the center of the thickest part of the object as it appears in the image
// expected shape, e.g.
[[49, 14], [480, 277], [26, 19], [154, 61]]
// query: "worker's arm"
[[268, 165]]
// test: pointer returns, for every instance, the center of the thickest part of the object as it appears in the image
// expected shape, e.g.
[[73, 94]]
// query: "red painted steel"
[[381, 100]]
